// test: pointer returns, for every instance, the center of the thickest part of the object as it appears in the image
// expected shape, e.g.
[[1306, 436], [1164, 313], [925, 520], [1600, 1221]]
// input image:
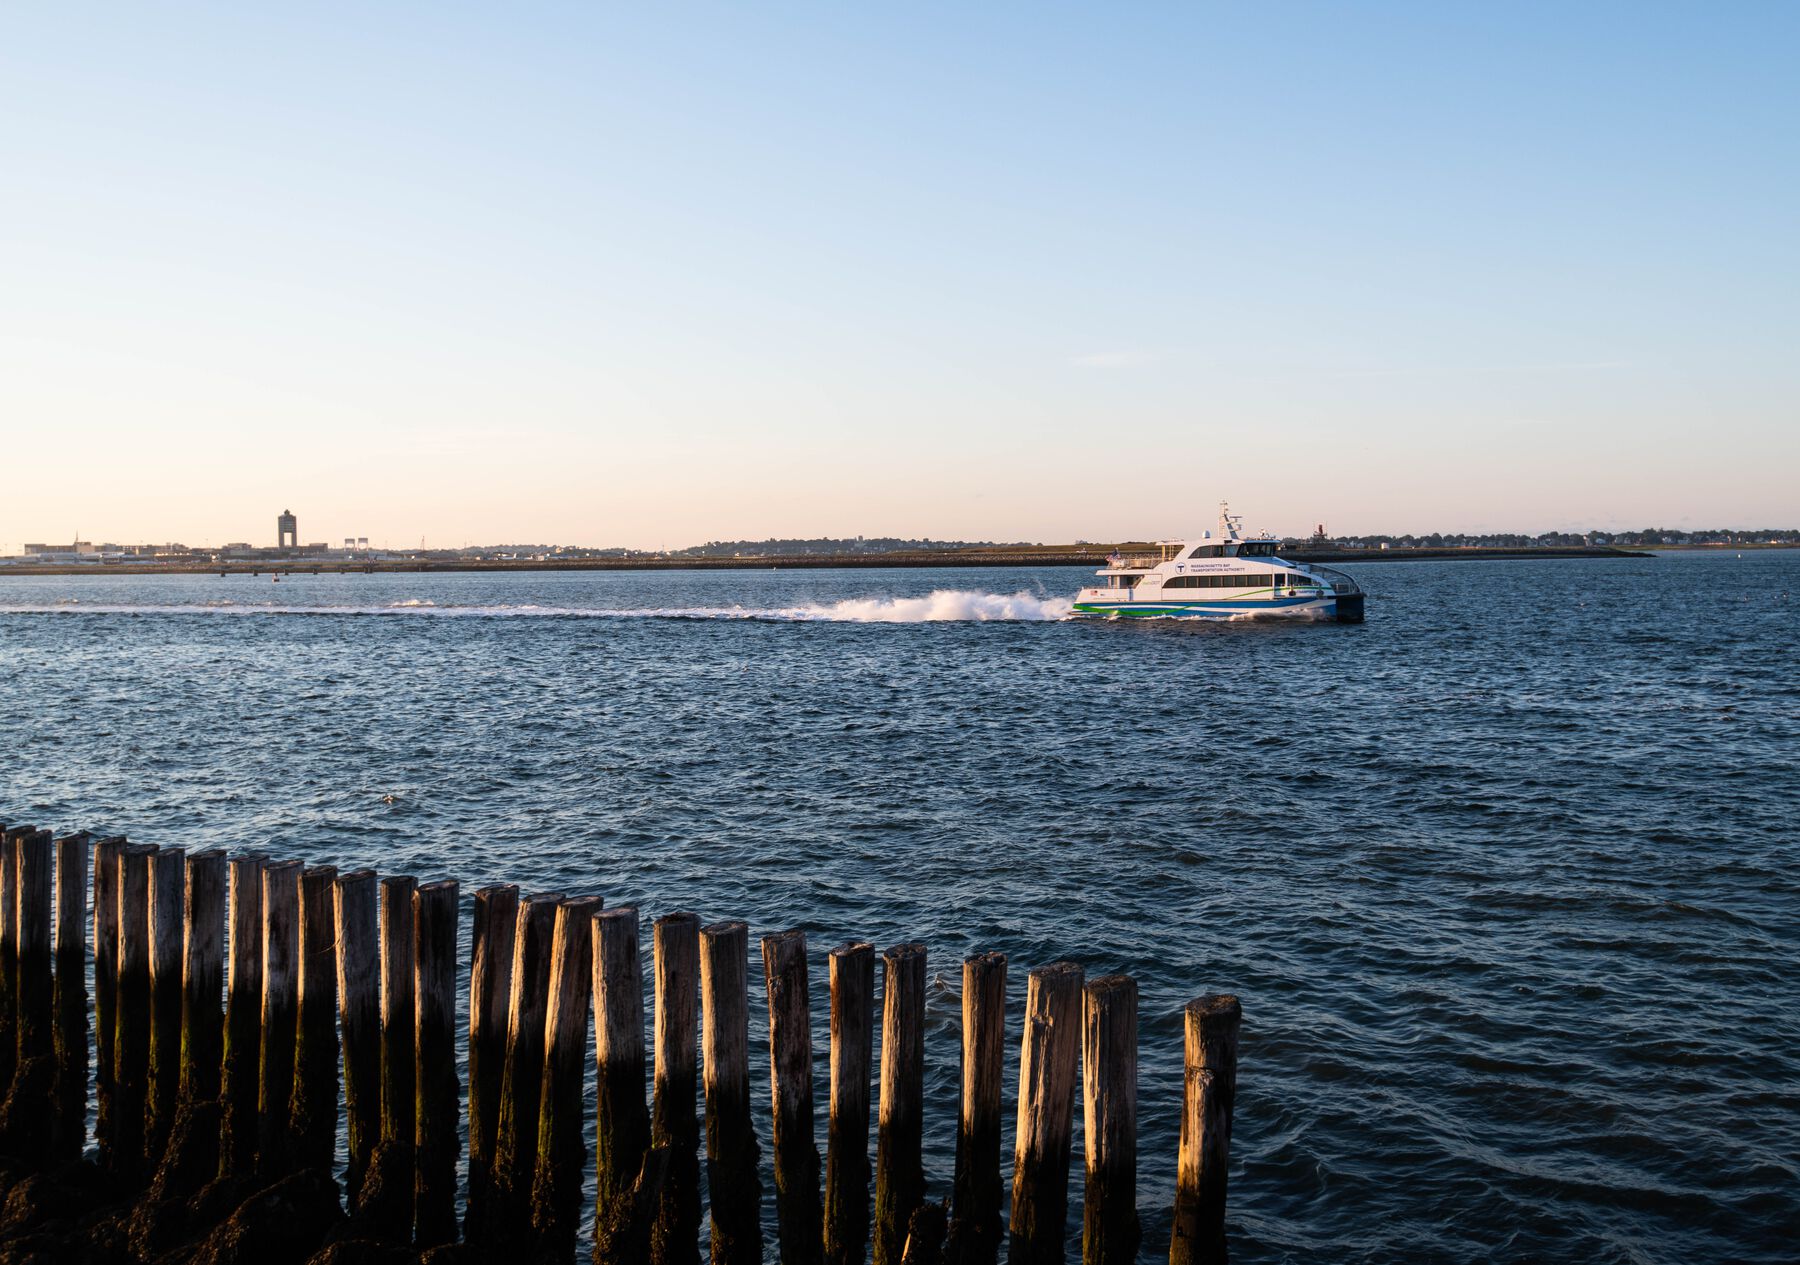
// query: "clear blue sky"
[[647, 274]]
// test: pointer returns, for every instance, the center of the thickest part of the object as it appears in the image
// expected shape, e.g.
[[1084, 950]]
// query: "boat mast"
[[1229, 522]]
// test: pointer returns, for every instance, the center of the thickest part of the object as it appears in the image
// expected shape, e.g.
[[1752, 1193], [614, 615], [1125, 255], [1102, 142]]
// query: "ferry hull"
[[1336, 607]]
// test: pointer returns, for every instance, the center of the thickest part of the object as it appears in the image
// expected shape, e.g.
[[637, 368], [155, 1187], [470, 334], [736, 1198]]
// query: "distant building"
[[287, 531]]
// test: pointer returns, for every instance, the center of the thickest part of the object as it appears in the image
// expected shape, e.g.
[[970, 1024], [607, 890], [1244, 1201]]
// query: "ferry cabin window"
[[1264, 550], [1247, 580], [1206, 551]]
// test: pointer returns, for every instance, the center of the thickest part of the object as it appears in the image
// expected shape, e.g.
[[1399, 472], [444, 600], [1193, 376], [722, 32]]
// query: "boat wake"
[[942, 606]]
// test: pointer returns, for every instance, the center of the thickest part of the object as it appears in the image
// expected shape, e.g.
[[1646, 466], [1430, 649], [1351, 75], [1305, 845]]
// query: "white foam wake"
[[945, 605]]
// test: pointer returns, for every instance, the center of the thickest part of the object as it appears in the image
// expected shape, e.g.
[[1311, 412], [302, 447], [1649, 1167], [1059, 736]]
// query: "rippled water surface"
[[1505, 876]]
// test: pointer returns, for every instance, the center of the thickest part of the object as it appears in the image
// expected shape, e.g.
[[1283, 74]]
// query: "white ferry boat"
[[1218, 576]]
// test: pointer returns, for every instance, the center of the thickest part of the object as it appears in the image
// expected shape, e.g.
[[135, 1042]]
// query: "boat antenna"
[[1229, 522]]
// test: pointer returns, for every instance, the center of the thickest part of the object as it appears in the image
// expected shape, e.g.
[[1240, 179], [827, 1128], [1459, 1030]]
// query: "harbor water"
[[1508, 877]]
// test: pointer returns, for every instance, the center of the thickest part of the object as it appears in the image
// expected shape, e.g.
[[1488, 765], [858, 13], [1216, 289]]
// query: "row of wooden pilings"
[[326, 975]]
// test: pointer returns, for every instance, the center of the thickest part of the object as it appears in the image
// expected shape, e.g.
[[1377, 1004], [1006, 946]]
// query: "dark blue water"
[[1506, 876]]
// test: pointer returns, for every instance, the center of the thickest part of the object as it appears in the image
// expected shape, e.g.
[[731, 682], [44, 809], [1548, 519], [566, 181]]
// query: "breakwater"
[[249, 1013]]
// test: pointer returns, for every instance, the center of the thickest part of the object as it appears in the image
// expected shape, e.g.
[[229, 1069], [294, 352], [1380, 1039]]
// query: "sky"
[[650, 275]]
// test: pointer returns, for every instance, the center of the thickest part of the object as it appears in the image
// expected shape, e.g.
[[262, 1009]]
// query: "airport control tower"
[[287, 531]]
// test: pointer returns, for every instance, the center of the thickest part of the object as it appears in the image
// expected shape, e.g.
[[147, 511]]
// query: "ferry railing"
[[1340, 583]]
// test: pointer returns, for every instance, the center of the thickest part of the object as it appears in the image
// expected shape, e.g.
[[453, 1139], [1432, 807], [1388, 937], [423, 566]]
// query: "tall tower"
[[287, 531]]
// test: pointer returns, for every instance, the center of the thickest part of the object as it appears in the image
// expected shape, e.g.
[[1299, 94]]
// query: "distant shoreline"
[[1041, 557]]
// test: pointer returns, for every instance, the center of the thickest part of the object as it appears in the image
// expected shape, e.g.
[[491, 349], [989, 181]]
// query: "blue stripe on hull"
[[1189, 610]]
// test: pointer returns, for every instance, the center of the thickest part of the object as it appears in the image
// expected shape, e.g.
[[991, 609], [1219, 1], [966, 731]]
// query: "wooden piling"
[[106, 987], [382, 1197], [435, 1141], [238, 1075], [734, 1188], [359, 1019], [798, 1215], [899, 1162], [34, 898], [490, 987], [69, 1135], [1209, 1088], [28, 1113], [622, 1126], [1049, 1053], [978, 1191], [847, 1147], [9, 952], [203, 976], [131, 1046], [1109, 1230], [168, 878], [674, 1125], [397, 1017], [515, 1135], [313, 1108], [561, 1140], [280, 1015]]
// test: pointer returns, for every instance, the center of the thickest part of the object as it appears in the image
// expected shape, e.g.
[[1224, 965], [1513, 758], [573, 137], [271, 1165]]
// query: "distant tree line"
[[773, 548], [1647, 537]]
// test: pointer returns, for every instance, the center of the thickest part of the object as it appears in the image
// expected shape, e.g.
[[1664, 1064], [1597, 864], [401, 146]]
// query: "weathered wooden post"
[[9, 952], [490, 988], [30, 1103], [359, 1018], [622, 1127], [562, 1141], [435, 1138], [243, 1020], [847, 1148], [1109, 1228], [313, 1109], [734, 1189], [397, 1018], [36, 919], [673, 1123], [797, 1211], [976, 1230], [1046, 1128], [106, 987], [189, 1155], [1209, 1089], [70, 1132], [168, 914], [280, 1015], [515, 1141], [203, 977], [382, 1199], [131, 1045], [899, 1164]]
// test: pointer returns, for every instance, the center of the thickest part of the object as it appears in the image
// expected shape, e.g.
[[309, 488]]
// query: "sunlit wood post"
[[734, 1187], [70, 1133], [1208, 1092], [673, 1122], [435, 1133], [561, 1140], [1110, 1232], [899, 1160], [490, 989], [978, 1191], [847, 1149], [1050, 1051], [797, 1209]]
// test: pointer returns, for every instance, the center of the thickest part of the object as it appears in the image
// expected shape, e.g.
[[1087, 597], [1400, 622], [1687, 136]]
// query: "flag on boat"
[[1115, 557]]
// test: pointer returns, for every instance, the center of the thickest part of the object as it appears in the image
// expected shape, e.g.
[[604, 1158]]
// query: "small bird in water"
[[390, 799]]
